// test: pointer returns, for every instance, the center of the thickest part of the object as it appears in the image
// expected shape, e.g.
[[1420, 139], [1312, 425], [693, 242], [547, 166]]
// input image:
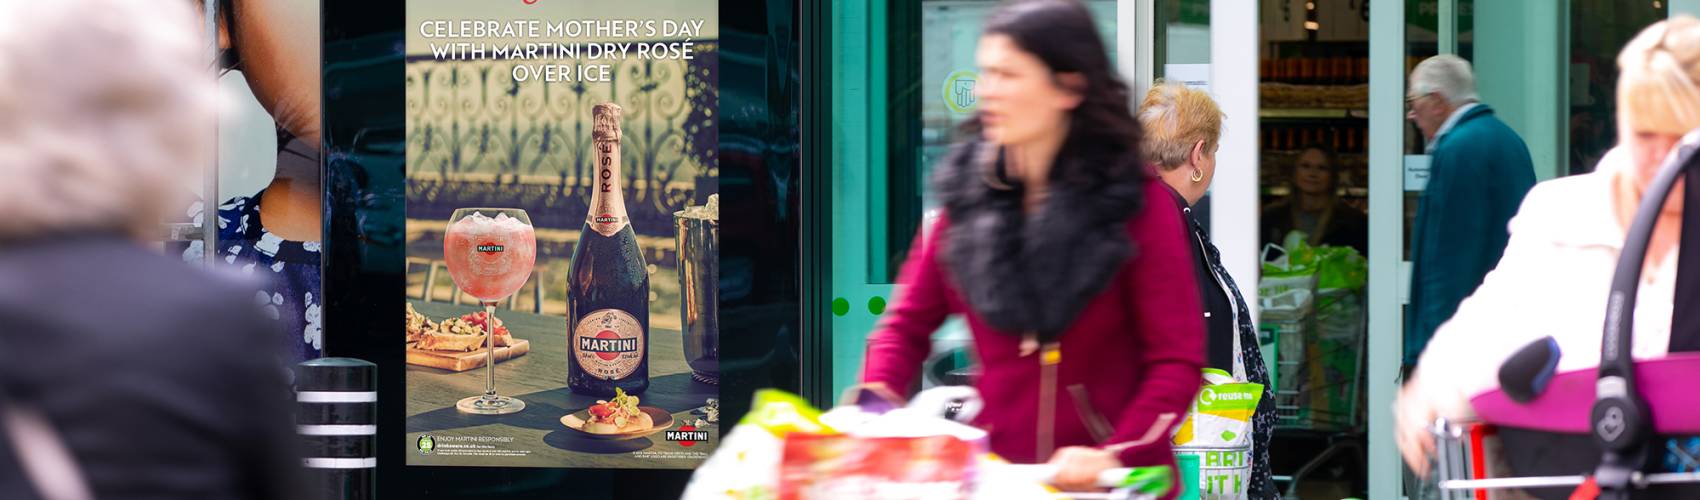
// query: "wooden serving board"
[[463, 361]]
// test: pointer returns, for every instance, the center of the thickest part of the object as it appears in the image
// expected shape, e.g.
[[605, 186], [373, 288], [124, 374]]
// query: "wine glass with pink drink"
[[490, 252]]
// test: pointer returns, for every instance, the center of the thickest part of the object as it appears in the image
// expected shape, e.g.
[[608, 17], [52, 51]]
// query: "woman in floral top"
[[275, 46], [286, 270]]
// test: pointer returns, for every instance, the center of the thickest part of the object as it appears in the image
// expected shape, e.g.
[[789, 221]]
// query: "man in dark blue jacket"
[[1479, 171]]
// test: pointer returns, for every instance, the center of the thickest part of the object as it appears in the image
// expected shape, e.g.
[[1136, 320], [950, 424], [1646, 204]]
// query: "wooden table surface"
[[540, 378]]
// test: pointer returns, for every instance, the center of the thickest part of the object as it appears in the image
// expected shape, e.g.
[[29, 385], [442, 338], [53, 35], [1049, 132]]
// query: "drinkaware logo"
[[687, 436]]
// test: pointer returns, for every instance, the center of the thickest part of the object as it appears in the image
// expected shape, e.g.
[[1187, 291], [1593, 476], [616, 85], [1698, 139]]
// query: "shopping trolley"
[[1318, 344], [1619, 412]]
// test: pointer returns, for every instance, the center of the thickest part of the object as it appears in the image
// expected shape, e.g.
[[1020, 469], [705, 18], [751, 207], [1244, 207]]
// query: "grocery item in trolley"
[[872, 446]]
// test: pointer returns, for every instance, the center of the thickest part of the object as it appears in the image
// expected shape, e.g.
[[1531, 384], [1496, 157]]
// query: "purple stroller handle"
[[1668, 384]]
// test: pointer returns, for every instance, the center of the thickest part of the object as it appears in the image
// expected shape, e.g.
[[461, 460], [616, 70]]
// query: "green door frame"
[[852, 190]]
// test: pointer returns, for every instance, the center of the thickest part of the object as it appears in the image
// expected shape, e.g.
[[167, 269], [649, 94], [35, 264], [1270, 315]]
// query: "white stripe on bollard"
[[340, 463], [336, 397], [337, 430]]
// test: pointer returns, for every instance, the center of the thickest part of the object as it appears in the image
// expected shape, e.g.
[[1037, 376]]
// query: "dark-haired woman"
[[1062, 253], [1315, 207], [276, 233]]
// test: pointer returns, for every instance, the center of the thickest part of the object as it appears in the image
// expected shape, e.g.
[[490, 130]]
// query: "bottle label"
[[607, 209], [608, 344]]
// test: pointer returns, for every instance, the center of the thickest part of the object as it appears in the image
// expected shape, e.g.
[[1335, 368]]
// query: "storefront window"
[[1594, 44], [931, 92]]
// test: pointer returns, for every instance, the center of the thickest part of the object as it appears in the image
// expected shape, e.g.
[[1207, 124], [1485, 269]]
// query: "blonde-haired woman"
[[1182, 129], [122, 372], [1557, 269]]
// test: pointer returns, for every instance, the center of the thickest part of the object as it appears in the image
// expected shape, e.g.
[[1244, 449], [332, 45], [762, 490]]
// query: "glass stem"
[[489, 350]]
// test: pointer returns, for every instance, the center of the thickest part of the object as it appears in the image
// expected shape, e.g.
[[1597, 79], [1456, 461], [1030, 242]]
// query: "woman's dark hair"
[[228, 60], [1062, 35]]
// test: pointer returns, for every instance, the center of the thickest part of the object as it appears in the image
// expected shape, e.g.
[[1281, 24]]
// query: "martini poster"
[[562, 233]]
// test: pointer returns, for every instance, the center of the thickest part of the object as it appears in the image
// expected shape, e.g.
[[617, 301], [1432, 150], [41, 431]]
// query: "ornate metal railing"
[[477, 137], [552, 203]]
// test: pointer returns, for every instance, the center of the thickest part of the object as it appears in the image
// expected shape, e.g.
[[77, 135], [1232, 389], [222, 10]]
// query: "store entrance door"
[[902, 79]]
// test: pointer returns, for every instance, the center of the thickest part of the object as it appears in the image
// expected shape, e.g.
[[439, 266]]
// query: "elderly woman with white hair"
[[1556, 273], [123, 373], [1182, 129]]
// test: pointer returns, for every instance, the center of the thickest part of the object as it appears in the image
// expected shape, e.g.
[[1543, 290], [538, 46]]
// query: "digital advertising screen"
[[562, 233]]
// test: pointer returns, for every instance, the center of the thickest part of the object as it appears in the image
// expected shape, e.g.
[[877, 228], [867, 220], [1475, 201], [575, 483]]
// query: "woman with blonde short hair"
[[1182, 130], [1565, 239]]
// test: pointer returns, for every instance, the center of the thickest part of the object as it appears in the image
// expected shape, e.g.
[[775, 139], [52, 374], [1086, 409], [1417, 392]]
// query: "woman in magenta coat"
[[1064, 255]]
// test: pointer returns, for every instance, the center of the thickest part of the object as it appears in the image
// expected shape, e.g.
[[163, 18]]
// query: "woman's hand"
[[1413, 416], [1078, 467]]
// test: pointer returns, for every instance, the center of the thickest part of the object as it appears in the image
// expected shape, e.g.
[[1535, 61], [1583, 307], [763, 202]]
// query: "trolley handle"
[[1454, 476]]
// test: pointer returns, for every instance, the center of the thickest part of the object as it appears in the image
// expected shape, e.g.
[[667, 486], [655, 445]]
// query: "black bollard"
[[337, 418]]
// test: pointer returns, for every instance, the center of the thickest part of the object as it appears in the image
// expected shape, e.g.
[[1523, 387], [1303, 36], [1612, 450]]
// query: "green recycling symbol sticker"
[[959, 94]]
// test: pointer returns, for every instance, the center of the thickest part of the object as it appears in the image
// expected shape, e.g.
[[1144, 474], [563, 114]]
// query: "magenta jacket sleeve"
[[903, 339], [1168, 321]]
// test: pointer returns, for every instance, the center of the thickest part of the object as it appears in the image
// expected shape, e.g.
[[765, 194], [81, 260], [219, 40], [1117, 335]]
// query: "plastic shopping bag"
[[1288, 281], [1218, 430], [911, 452], [870, 446], [819, 466], [746, 466]]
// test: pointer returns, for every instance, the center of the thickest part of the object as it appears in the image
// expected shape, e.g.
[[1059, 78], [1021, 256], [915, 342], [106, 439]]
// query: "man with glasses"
[[1478, 173]]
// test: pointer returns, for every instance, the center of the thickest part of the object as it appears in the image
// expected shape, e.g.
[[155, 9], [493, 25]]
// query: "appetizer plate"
[[663, 421]]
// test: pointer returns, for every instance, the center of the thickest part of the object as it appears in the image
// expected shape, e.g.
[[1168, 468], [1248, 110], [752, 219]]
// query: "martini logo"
[[606, 219], [959, 94], [426, 444], [488, 248], [687, 436], [609, 344], [529, 2]]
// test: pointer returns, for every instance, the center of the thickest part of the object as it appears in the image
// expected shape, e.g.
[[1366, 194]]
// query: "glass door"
[[1313, 241], [1546, 69], [903, 77]]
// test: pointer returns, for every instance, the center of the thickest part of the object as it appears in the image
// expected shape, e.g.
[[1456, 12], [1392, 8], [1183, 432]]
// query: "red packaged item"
[[819, 467]]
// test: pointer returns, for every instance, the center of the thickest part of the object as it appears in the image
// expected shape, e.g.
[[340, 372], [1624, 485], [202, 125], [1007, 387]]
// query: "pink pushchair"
[[1606, 431]]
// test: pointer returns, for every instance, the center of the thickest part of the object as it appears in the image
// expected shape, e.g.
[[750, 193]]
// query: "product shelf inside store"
[[1313, 113]]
